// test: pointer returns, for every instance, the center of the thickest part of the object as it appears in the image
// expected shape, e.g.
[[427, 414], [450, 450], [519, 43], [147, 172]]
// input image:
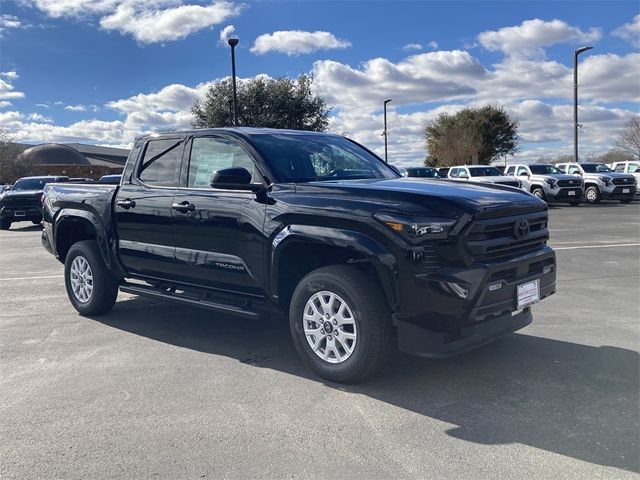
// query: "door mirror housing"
[[235, 178]]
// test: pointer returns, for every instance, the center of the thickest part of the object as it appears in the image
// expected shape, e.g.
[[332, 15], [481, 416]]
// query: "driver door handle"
[[184, 207], [127, 203]]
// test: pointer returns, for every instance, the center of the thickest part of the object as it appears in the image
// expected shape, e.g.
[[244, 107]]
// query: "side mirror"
[[235, 178]]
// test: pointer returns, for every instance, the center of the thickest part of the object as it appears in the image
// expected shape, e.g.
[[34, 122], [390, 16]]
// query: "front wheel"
[[538, 192], [592, 194], [5, 224], [91, 288], [341, 324]]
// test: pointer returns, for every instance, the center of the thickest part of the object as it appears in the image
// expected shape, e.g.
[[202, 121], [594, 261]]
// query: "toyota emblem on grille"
[[521, 229]]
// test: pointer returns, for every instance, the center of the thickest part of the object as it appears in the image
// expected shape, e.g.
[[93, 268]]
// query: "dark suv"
[[22, 202]]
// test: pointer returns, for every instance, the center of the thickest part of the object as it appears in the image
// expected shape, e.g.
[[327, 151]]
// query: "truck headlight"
[[417, 229], [606, 180], [551, 182]]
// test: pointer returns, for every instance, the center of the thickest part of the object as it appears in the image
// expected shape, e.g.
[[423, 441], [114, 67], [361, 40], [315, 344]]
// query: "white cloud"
[[226, 33], [629, 32], [418, 79], [296, 42], [147, 21], [76, 108], [11, 75], [9, 21], [5, 104], [36, 117], [433, 44], [532, 35], [412, 46], [7, 90]]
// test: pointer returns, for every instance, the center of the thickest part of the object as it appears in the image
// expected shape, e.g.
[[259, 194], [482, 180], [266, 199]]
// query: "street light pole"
[[385, 133], [232, 43], [575, 99]]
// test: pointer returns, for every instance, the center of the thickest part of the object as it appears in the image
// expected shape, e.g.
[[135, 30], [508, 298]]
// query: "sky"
[[104, 71]]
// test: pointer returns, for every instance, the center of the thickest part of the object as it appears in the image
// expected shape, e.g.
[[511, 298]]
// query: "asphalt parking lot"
[[154, 390]]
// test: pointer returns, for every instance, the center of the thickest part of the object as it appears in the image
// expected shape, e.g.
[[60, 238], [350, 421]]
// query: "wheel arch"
[[300, 249], [72, 226]]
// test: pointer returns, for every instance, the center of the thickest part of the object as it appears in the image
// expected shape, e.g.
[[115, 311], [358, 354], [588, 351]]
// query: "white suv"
[[482, 173], [600, 182], [548, 183]]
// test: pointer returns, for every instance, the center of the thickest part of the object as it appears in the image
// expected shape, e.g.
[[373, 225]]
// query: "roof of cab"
[[237, 131]]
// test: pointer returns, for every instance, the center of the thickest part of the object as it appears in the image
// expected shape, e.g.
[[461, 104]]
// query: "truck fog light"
[[495, 286], [547, 269]]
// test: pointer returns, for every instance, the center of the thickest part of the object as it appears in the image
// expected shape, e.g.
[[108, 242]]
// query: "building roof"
[[73, 154]]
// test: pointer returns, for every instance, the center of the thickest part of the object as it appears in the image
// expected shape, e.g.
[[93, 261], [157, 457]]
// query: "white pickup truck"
[[632, 168], [600, 182], [548, 183]]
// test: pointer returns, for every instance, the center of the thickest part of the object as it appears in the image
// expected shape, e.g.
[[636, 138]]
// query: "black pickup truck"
[[247, 221], [22, 202]]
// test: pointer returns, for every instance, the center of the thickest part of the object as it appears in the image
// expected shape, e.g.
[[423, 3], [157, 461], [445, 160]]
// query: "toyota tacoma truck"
[[548, 183], [254, 221], [600, 182], [482, 174], [22, 202]]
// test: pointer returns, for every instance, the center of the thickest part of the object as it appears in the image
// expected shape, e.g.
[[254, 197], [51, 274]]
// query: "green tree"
[[472, 135], [264, 102], [12, 167]]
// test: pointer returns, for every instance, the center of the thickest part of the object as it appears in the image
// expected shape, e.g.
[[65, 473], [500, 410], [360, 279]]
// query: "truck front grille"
[[504, 237], [569, 183], [622, 181], [19, 201]]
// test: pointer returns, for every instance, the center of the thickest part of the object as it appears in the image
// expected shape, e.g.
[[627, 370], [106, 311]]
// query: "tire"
[[538, 192], [35, 222], [366, 318], [626, 200], [98, 288], [5, 224], [592, 194]]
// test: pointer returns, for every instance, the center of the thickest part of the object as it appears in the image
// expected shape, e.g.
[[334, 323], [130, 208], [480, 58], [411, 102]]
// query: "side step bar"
[[178, 298]]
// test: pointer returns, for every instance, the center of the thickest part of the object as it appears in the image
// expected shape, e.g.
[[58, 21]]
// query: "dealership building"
[[72, 159]]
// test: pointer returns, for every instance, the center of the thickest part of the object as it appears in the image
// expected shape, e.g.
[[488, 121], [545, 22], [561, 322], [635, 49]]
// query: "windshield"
[[422, 172], [544, 170], [595, 168], [308, 158], [32, 183], [634, 168], [484, 172]]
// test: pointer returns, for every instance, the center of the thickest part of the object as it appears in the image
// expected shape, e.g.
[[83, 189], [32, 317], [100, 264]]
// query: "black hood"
[[415, 195]]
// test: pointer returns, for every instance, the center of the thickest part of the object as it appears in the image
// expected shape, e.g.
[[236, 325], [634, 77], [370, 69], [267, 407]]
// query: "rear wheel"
[[91, 288], [5, 224], [35, 222], [341, 324], [592, 194]]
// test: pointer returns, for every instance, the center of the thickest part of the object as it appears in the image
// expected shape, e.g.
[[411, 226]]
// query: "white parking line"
[[615, 245], [29, 278]]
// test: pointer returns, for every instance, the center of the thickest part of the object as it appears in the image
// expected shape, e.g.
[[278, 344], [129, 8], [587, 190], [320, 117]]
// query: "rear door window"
[[160, 165]]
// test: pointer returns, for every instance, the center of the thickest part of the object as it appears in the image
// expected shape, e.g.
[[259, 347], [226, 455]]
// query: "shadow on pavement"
[[574, 400]]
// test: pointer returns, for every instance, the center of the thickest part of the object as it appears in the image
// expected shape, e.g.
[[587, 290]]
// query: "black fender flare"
[[104, 235], [383, 261]]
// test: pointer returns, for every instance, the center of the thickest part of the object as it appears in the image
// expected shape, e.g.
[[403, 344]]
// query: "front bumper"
[[619, 192], [569, 194], [20, 214], [455, 310]]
